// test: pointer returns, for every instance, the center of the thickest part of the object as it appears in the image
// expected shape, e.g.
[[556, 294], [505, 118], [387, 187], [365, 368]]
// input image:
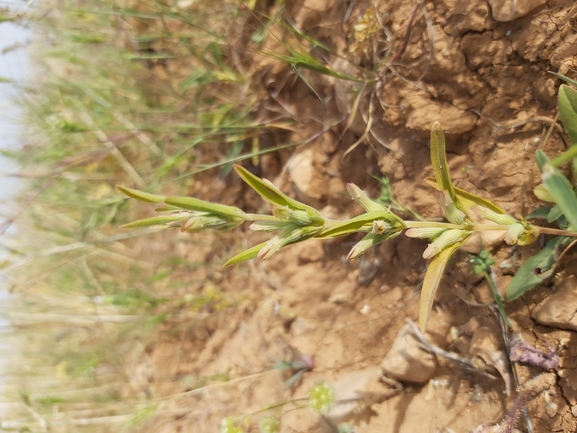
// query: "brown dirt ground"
[[484, 76]]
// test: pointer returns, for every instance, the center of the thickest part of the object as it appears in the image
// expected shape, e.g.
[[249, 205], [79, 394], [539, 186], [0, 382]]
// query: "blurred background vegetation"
[[139, 93]]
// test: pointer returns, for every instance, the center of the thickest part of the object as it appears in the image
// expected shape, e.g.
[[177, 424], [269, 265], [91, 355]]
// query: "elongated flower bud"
[[452, 212], [202, 221], [499, 218], [290, 234], [446, 239], [300, 217], [365, 243], [424, 232], [361, 198]]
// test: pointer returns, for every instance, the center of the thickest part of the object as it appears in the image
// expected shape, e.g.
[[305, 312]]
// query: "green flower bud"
[[301, 217], [290, 234], [361, 198], [453, 214], [203, 220], [365, 243], [446, 239]]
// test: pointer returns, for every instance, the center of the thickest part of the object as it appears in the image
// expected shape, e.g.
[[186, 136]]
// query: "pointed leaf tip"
[[140, 195]]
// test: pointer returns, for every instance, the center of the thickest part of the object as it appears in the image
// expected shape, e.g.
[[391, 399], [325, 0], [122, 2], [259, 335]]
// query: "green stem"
[[566, 156], [498, 299], [258, 217], [484, 227], [432, 224]]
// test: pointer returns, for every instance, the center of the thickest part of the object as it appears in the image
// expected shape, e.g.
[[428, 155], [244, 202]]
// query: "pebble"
[[560, 309], [357, 392], [406, 361]]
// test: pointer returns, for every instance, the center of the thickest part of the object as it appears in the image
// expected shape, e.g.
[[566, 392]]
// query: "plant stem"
[[558, 232], [258, 217], [433, 224], [565, 156]]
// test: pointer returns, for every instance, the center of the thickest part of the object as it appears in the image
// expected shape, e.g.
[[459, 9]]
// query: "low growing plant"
[[466, 214]]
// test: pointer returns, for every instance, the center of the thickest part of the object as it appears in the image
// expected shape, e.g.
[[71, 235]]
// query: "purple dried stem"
[[523, 352]]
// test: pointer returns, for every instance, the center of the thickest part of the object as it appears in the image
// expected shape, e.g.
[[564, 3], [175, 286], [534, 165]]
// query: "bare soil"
[[488, 84]]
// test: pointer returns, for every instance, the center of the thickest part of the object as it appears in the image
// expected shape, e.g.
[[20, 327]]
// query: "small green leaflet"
[[535, 269]]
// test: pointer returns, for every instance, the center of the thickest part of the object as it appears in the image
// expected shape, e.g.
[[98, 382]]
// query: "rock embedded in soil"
[[356, 392], [509, 10], [406, 361], [560, 309]]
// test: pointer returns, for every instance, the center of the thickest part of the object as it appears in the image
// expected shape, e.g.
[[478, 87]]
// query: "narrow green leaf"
[[369, 241], [140, 195], [534, 270], [543, 212], [249, 254], [363, 200], [431, 283], [195, 204], [541, 159], [154, 221], [564, 78], [560, 189], [439, 160], [554, 214], [468, 199], [567, 103], [268, 191]]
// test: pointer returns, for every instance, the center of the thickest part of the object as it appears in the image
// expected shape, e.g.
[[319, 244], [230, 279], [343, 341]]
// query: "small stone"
[[343, 292], [560, 309], [304, 176], [357, 392], [471, 326], [365, 310], [406, 361], [367, 270], [509, 10]]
